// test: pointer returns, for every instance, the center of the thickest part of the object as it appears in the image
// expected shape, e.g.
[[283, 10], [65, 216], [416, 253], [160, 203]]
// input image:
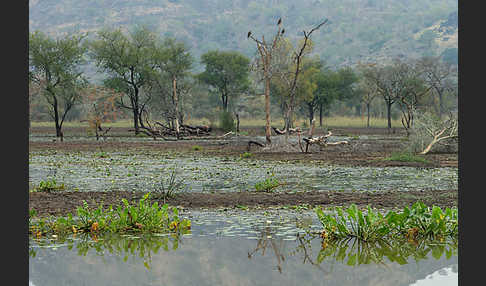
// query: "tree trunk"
[[224, 98], [135, 121], [136, 116], [388, 110], [56, 119], [267, 109], [176, 105], [311, 113], [237, 122], [287, 124], [368, 112], [320, 115], [441, 104]]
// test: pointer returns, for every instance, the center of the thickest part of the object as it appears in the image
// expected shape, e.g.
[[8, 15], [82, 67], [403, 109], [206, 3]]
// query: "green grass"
[[246, 155], [196, 148], [406, 157], [47, 186], [329, 122], [268, 185]]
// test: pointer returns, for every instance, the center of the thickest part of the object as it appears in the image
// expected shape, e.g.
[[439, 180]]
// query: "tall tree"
[[264, 67], [290, 74], [438, 75], [366, 90], [332, 86], [305, 91], [291, 78], [389, 82], [175, 60], [128, 60], [54, 67], [227, 73]]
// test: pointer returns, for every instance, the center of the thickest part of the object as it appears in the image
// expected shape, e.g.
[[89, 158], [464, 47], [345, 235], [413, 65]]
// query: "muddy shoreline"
[[62, 203]]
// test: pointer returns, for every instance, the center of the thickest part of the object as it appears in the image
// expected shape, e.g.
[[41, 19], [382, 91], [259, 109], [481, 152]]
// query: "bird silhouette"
[[279, 21], [283, 31], [249, 34]]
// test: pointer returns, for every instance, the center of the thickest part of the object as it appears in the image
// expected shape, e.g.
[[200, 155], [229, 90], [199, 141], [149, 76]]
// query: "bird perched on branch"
[[249, 34], [283, 31], [279, 21]]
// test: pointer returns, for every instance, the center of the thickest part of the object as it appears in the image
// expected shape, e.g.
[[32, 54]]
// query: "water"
[[235, 248], [129, 170]]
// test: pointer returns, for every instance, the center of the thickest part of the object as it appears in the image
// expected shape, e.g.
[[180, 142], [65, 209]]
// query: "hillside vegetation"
[[358, 30]]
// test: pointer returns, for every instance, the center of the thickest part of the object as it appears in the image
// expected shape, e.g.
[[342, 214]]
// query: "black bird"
[[279, 21], [249, 34], [283, 31]]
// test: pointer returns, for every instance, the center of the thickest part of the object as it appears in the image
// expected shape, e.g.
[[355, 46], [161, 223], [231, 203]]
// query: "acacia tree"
[[54, 70], [437, 74], [306, 88], [412, 96], [226, 72], [128, 60], [367, 91], [173, 61], [389, 81], [332, 86]]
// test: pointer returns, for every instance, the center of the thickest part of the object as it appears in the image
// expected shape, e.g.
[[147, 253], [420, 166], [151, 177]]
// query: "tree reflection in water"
[[350, 251]]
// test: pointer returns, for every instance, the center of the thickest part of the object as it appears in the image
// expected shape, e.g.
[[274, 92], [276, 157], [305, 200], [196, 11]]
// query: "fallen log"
[[255, 143], [321, 141], [282, 132], [226, 134], [185, 130]]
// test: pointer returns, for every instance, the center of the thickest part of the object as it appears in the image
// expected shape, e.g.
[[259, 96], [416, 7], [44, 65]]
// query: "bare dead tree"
[[262, 245], [264, 64], [439, 130], [267, 52], [297, 57]]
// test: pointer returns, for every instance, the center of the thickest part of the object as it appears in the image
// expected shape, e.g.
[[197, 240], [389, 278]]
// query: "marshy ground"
[[104, 172]]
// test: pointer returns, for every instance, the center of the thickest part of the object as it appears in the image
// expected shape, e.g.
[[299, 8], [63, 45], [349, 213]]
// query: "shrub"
[[196, 148], [226, 121], [268, 185], [170, 187], [246, 155], [48, 185]]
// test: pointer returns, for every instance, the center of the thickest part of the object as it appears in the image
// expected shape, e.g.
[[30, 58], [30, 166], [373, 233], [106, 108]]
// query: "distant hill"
[[358, 30]]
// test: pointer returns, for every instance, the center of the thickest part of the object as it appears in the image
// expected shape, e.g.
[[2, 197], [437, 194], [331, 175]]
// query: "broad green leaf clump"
[[141, 218], [417, 222]]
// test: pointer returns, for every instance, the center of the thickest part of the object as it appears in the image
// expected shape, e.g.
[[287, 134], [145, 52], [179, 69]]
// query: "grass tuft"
[[406, 157]]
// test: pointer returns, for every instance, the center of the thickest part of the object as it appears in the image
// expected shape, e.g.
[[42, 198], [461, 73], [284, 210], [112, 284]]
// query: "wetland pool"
[[237, 248], [129, 171]]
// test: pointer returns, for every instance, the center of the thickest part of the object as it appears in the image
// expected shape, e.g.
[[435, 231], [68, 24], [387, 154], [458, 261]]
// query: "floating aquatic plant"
[[419, 221], [141, 218]]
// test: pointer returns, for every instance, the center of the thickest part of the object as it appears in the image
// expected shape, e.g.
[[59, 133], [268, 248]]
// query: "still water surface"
[[235, 248]]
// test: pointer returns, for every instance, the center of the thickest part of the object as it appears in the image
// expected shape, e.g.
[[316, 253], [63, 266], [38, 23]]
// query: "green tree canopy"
[[54, 67], [128, 60], [227, 73]]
